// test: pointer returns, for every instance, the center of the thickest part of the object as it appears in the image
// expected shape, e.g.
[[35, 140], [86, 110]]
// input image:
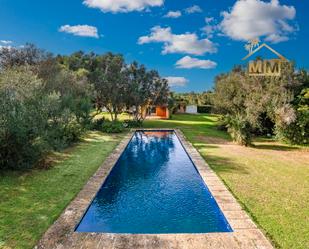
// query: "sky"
[[188, 42]]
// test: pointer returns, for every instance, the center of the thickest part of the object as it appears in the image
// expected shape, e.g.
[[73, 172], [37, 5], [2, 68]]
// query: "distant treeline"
[[193, 98]]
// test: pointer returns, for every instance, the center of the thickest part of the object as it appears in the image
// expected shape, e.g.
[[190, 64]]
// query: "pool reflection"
[[154, 188]]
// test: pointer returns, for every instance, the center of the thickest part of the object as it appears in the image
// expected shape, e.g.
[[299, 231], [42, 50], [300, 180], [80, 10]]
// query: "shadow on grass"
[[54, 158], [201, 146], [220, 164], [275, 147]]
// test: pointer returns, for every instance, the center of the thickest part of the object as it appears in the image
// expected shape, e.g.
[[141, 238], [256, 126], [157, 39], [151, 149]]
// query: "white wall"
[[192, 109]]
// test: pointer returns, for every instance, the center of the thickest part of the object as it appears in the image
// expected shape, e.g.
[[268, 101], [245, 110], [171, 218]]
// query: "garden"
[[61, 116]]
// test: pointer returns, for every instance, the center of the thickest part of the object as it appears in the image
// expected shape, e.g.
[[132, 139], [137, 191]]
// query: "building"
[[191, 109], [158, 112], [183, 107]]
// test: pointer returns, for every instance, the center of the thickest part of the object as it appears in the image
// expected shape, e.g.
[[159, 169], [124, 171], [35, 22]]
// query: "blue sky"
[[190, 42]]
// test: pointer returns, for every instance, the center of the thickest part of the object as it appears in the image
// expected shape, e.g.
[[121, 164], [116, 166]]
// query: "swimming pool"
[[154, 188]]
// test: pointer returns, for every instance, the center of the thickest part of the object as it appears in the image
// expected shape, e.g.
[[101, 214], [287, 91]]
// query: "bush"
[[63, 126], [133, 123], [37, 116], [222, 123], [297, 130], [239, 129], [260, 99], [98, 123], [112, 127], [265, 126], [204, 109], [23, 119], [61, 136]]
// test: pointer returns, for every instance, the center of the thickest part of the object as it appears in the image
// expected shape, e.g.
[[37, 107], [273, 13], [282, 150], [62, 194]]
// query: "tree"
[[230, 92], [75, 94], [118, 85], [159, 89], [206, 98], [139, 96], [111, 84], [28, 55], [44, 106], [230, 100], [145, 88], [23, 119], [293, 120], [192, 98], [253, 100]]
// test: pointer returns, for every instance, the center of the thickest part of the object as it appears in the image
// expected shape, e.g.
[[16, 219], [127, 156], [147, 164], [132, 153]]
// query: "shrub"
[[83, 111], [260, 99], [133, 123], [63, 135], [69, 107], [239, 129], [112, 127], [98, 123], [265, 126], [293, 126], [222, 123], [37, 116], [22, 119]]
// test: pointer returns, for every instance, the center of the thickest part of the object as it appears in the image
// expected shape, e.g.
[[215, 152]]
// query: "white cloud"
[[122, 5], [188, 43], [209, 30], [173, 14], [211, 27], [250, 19], [209, 19], [176, 81], [80, 30], [6, 42], [275, 38], [193, 9], [189, 62]]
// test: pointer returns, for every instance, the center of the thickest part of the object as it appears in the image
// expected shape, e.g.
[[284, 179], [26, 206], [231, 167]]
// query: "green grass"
[[191, 125], [31, 201], [270, 180]]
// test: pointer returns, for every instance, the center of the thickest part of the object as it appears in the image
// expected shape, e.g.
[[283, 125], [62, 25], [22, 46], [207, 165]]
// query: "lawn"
[[270, 180], [31, 201]]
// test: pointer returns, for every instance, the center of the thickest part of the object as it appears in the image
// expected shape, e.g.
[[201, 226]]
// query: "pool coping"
[[245, 233]]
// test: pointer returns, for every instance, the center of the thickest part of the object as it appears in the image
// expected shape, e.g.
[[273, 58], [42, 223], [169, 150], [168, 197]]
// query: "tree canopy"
[[262, 104]]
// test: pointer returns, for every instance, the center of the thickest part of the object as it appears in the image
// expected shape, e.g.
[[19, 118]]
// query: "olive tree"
[[250, 101], [23, 119], [111, 84], [145, 88]]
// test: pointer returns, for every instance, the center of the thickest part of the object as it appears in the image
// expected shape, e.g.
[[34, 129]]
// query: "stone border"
[[245, 233]]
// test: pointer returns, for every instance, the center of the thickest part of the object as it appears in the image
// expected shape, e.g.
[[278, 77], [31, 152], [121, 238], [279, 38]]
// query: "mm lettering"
[[265, 67]]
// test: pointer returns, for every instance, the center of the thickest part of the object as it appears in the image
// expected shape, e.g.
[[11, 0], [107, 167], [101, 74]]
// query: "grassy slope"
[[271, 180], [30, 202]]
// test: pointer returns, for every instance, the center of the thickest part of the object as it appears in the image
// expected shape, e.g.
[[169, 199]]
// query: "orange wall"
[[161, 111]]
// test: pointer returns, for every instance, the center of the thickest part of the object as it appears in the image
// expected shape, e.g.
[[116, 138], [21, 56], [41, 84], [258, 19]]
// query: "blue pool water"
[[154, 188]]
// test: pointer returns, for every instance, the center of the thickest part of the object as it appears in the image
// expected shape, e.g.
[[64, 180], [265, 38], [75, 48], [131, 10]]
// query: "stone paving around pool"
[[245, 233]]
